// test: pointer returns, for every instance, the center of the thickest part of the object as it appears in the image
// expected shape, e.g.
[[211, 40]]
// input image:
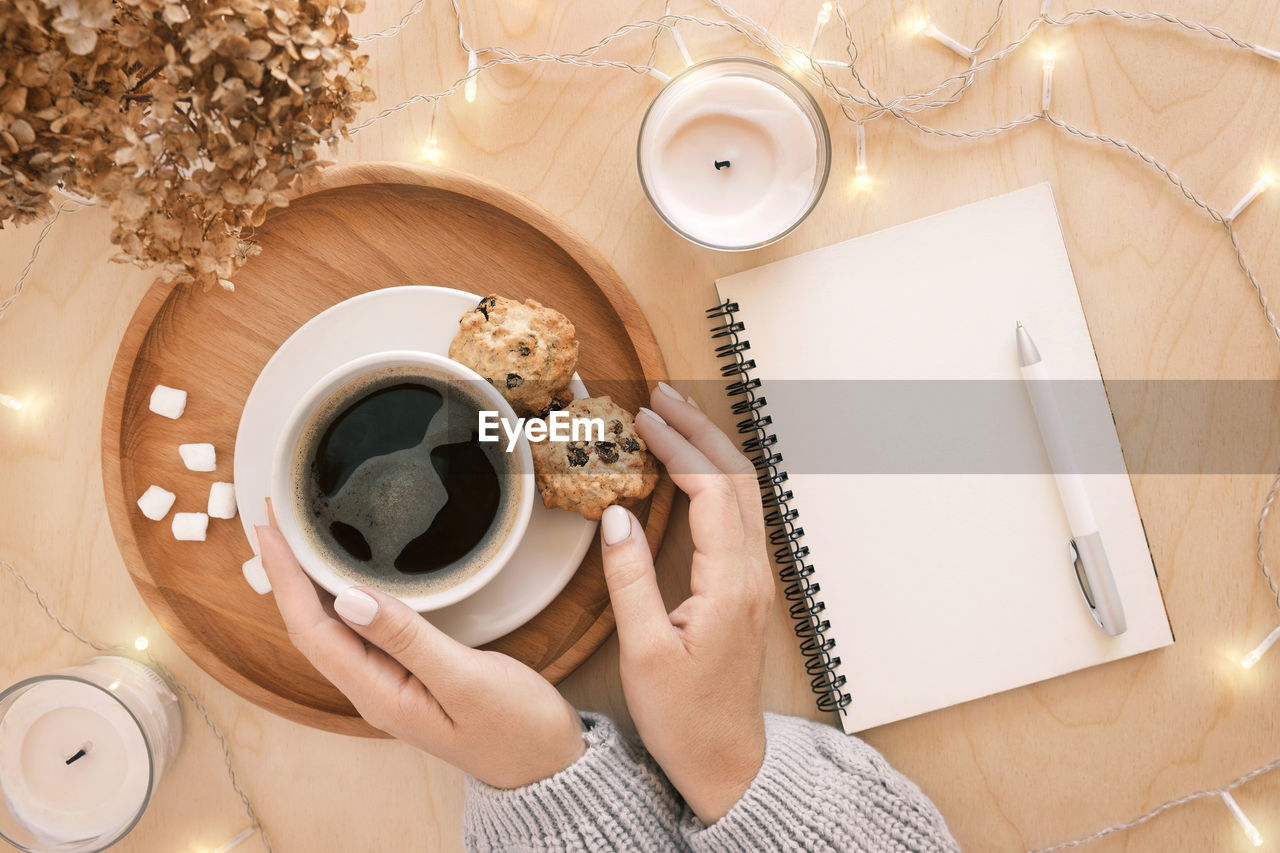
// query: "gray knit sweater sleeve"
[[822, 790], [612, 798], [818, 790]]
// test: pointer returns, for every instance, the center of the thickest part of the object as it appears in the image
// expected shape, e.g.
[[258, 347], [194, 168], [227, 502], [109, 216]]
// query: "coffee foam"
[[459, 411]]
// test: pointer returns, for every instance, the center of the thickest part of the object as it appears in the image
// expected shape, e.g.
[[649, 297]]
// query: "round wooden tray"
[[358, 228]]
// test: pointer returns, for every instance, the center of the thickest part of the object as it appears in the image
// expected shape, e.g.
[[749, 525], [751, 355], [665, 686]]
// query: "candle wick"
[[83, 751], [722, 164]]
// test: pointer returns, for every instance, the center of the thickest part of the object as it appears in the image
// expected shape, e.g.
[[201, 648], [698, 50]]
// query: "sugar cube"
[[170, 402], [155, 502], [198, 457], [222, 500], [190, 526], [256, 576]]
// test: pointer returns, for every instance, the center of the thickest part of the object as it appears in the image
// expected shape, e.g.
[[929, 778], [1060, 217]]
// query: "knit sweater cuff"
[[821, 790], [614, 797]]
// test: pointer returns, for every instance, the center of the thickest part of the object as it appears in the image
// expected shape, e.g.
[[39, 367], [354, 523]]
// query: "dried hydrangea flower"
[[188, 121]]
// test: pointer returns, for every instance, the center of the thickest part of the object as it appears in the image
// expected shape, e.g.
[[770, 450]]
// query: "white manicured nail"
[[355, 606], [651, 413], [670, 392], [693, 402], [615, 524]]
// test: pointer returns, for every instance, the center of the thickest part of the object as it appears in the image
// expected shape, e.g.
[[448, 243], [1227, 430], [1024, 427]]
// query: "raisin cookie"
[[588, 476], [526, 350]]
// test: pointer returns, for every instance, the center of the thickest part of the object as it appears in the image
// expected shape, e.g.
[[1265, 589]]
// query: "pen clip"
[[1087, 593], [1097, 583]]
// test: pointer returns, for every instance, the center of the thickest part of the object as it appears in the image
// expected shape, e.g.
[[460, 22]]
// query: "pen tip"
[[1019, 322]]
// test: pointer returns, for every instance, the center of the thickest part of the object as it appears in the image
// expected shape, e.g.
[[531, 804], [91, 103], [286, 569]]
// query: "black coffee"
[[394, 483]]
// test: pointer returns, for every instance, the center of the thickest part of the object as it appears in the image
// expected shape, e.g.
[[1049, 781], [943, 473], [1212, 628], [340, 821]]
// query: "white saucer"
[[421, 318]]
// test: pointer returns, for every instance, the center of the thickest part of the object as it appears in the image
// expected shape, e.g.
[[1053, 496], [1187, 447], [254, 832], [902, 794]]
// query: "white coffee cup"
[[443, 371]]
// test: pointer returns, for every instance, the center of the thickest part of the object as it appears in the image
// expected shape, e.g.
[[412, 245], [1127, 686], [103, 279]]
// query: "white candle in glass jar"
[[81, 751], [733, 153]]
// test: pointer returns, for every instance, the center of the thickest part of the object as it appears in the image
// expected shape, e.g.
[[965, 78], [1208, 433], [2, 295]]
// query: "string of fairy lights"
[[861, 105]]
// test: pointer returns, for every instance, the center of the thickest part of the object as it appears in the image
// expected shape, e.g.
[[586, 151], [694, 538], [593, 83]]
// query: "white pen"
[[1087, 554]]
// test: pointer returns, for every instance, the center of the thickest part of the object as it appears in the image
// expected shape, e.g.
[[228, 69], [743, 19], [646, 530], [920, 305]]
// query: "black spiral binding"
[[782, 519]]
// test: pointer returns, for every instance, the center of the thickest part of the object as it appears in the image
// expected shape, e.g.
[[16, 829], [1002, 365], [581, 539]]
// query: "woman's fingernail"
[[693, 402], [651, 413], [670, 392], [355, 606], [615, 525]]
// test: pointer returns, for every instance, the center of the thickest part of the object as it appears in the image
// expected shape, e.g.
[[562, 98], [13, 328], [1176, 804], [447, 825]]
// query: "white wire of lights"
[[35, 253], [394, 28], [862, 106], [1224, 793], [9, 401]]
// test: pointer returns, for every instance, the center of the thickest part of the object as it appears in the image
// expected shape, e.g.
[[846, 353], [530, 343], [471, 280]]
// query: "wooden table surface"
[[1160, 287]]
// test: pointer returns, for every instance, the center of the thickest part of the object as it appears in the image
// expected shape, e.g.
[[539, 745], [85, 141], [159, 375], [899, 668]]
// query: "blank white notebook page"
[[942, 587]]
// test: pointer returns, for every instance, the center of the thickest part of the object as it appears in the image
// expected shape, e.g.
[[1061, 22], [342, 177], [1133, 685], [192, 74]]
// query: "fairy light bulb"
[[681, 46], [141, 644], [430, 152], [1258, 651], [243, 836], [923, 26], [824, 15], [430, 149], [469, 88], [1268, 52], [1250, 831], [1047, 61], [11, 402], [861, 180], [1265, 181]]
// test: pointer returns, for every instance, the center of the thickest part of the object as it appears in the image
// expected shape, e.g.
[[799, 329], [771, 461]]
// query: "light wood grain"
[[356, 229], [1160, 290]]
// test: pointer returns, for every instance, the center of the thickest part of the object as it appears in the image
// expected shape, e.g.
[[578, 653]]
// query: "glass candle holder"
[[734, 153], [81, 752]]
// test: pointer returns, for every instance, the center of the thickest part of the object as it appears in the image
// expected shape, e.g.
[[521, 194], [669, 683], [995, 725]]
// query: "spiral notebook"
[[922, 572]]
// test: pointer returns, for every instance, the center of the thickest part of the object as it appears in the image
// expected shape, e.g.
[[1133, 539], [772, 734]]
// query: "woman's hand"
[[483, 712], [692, 678]]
